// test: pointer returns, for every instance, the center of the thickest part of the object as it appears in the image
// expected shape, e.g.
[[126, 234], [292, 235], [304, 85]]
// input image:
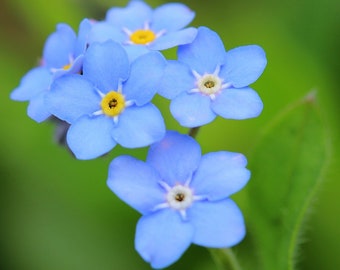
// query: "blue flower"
[[141, 28], [62, 54], [183, 197], [110, 102], [207, 81]]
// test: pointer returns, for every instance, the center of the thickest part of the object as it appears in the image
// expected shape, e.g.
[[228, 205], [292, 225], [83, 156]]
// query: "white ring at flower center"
[[209, 84], [180, 197]]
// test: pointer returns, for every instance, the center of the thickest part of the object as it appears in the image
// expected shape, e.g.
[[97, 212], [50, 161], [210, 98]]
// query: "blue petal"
[[176, 157], [217, 224], [75, 68], [205, 53], [244, 65], [59, 47], [36, 80], [220, 174], [192, 110], [171, 17], [132, 17], [139, 126], [238, 104], [103, 31], [37, 108], [90, 137], [72, 96], [105, 65], [145, 73], [172, 39], [177, 78], [136, 183], [134, 51], [162, 237], [83, 37]]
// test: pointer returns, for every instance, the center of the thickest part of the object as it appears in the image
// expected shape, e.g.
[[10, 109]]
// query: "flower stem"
[[225, 259], [193, 132]]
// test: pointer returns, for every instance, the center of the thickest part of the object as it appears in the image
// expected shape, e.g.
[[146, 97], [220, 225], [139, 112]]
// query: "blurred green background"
[[57, 213]]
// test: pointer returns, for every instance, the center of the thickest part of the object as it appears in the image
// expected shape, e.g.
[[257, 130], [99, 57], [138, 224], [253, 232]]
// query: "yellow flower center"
[[113, 103], [142, 36], [66, 67]]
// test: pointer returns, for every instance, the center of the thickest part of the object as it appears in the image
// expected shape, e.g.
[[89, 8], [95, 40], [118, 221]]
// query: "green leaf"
[[287, 167]]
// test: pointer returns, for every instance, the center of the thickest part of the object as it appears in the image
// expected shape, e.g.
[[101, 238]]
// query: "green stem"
[[225, 259], [193, 132]]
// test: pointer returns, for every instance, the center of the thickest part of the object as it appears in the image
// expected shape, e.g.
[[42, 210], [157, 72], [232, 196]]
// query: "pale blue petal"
[[136, 183], [139, 126], [134, 51], [244, 65], [37, 109], [103, 31], [133, 16], [177, 78], [176, 157], [36, 80], [90, 137], [171, 17], [238, 104], [217, 224], [145, 73], [105, 64], [83, 36], [205, 53], [220, 174], [76, 67], [192, 110], [71, 96], [162, 237], [172, 39], [59, 47]]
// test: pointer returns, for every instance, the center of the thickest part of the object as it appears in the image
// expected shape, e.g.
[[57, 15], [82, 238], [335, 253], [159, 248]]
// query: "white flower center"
[[209, 84], [180, 197]]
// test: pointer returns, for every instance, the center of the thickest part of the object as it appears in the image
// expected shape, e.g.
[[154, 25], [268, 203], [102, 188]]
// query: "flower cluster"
[[101, 82]]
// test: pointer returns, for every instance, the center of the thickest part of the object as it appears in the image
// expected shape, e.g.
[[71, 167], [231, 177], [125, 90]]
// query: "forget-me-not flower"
[[110, 102], [207, 81], [140, 28], [62, 54], [183, 197]]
